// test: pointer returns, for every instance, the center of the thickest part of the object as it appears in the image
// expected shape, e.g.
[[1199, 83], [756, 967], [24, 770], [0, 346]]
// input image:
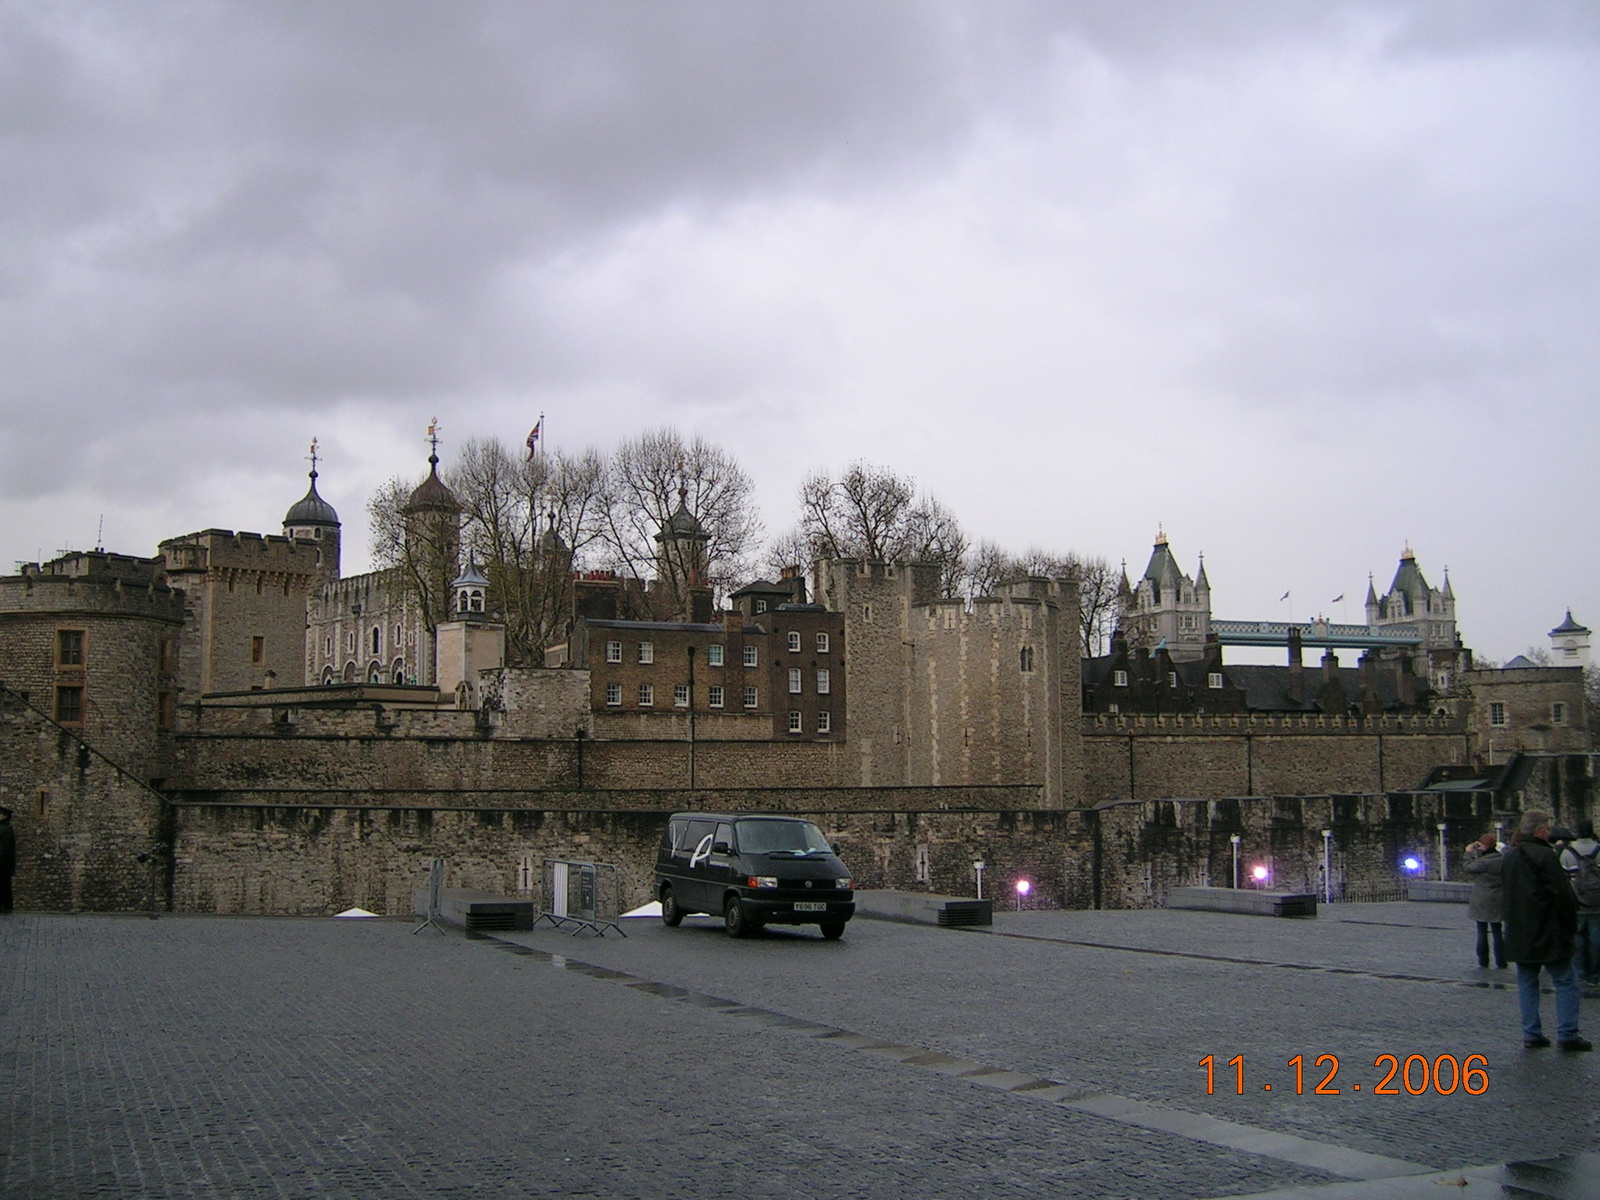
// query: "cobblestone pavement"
[[199, 1056]]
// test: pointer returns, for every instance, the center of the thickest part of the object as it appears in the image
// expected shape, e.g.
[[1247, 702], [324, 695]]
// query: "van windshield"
[[790, 838]]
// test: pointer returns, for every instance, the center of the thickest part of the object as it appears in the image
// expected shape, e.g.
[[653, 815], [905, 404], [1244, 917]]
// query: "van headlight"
[[762, 881], [842, 884]]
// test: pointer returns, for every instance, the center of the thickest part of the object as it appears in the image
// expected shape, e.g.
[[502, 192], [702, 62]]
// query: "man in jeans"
[[1541, 916], [1582, 861]]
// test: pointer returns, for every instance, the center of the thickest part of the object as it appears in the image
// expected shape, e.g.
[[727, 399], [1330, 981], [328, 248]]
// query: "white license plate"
[[810, 906]]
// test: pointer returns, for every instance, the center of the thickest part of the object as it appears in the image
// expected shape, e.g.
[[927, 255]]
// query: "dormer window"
[[1119, 679]]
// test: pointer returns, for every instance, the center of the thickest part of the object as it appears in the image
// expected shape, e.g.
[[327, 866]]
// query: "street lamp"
[[1023, 888], [1442, 867], [1235, 840], [978, 869], [1327, 866]]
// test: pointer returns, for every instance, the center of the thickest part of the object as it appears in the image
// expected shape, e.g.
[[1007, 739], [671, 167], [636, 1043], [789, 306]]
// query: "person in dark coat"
[[1488, 898], [8, 858], [1541, 913]]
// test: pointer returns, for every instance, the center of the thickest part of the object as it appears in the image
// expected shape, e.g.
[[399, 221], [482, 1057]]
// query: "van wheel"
[[734, 919], [671, 914], [833, 930]]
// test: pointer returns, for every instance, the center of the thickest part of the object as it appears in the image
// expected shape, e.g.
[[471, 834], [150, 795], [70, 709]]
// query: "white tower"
[[1569, 644]]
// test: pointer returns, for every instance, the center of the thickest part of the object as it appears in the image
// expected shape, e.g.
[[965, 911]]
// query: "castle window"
[[165, 648], [647, 652], [1119, 679], [42, 799], [1497, 715], [69, 647], [525, 868], [1214, 681], [613, 694], [715, 697], [824, 681], [714, 654], [317, 532], [164, 710], [822, 643], [680, 695], [69, 705], [350, 642], [396, 640], [824, 722], [327, 646], [794, 642], [647, 695], [1025, 658], [751, 697], [924, 875], [866, 614], [761, 606], [613, 652], [749, 656], [260, 582], [796, 722], [795, 684], [377, 637], [258, 650], [1558, 714]]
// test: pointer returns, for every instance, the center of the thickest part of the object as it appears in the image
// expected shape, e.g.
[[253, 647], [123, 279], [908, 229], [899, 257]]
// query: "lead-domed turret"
[[314, 519]]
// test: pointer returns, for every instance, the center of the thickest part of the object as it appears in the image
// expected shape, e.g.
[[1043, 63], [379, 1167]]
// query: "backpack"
[[1587, 881]]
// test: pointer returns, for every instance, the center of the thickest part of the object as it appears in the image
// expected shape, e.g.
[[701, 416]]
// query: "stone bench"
[[1438, 891], [476, 911], [1251, 901], [923, 908]]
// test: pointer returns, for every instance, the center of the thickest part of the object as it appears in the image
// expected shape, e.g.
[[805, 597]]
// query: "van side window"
[[724, 836], [675, 834], [694, 832]]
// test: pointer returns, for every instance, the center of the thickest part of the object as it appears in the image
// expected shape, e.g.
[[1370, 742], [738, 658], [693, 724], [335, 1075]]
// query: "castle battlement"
[[1137, 724], [224, 550], [97, 595]]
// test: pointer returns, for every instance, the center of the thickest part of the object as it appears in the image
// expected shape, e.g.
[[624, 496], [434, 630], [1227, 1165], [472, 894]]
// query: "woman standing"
[[1488, 898]]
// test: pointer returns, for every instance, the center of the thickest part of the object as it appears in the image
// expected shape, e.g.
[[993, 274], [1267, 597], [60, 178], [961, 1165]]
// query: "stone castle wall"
[[290, 858], [80, 820], [1205, 757]]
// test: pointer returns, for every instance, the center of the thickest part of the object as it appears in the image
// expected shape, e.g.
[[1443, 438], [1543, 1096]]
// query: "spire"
[[1201, 583], [432, 493], [311, 509], [1448, 592], [1372, 594]]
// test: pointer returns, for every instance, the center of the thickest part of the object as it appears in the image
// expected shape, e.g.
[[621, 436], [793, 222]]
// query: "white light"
[[1259, 873], [1023, 887], [1411, 864]]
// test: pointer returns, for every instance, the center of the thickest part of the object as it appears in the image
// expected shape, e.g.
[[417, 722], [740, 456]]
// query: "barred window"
[[69, 647], [69, 705]]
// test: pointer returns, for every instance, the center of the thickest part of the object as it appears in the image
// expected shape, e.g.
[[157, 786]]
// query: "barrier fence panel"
[[580, 897]]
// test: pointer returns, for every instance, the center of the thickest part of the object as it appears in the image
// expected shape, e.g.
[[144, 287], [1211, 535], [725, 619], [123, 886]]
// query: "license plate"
[[810, 906]]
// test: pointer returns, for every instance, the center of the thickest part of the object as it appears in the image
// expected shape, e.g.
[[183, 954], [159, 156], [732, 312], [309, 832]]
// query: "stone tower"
[[314, 519], [1431, 611], [683, 565], [1169, 608]]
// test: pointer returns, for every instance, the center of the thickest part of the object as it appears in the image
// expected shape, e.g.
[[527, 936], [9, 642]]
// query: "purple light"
[[1411, 863], [1259, 874], [1023, 887]]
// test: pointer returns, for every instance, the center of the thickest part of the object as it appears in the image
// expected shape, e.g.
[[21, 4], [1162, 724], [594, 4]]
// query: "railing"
[[587, 896]]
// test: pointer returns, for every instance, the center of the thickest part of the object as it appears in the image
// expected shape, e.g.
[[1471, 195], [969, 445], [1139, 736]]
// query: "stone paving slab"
[[262, 1057], [209, 1057]]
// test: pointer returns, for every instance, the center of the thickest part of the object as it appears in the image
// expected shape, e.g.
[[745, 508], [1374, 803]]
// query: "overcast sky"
[[1300, 282]]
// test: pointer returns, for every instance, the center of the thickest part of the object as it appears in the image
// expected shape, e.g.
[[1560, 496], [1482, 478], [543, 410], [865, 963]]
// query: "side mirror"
[[721, 848], [834, 848]]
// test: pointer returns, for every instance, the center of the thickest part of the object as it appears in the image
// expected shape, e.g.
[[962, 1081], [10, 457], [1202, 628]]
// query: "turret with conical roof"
[[1411, 602], [683, 561], [314, 519], [1168, 607]]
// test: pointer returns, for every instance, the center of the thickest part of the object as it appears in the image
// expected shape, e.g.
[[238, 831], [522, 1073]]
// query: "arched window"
[[377, 636]]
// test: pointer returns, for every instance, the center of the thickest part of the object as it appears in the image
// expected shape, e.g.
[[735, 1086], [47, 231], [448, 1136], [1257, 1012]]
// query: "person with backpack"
[[1487, 903], [1582, 861]]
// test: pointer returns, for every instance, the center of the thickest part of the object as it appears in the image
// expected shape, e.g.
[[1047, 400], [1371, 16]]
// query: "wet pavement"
[[1057, 1054]]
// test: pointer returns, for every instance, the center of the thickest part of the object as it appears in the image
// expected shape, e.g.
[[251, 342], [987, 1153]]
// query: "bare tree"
[[648, 480], [1098, 582], [871, 512]]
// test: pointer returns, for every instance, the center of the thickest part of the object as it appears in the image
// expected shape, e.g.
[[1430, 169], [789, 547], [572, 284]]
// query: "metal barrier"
[[584, 895], [435, 891]]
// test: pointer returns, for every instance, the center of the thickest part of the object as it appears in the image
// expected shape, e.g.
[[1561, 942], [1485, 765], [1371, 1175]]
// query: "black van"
[[755, 869]]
